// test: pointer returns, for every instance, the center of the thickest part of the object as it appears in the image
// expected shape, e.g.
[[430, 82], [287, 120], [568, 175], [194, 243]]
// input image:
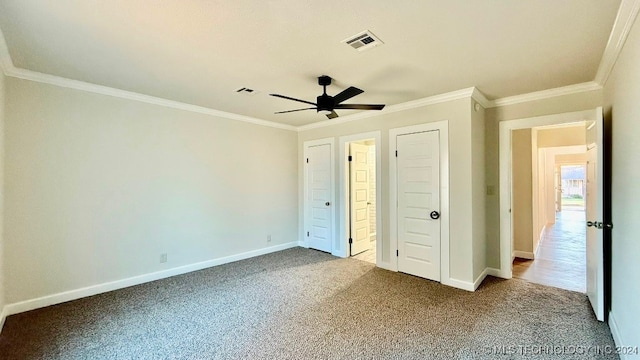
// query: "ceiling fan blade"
[[288, 111], [347, 94], [359, 107], [294, 99], [332, 115]]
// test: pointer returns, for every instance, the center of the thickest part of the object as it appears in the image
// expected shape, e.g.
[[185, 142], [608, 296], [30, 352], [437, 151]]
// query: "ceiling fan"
[[326, 104]]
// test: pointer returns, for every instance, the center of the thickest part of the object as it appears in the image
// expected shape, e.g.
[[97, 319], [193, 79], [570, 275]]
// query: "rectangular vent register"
[[363, 41]]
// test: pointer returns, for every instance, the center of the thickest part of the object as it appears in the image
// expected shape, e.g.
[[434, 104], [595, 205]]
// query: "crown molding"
[[546, 94], [129, 95], [479, 96], [5, 58], [10, 70], [627, 14], [431, 100]]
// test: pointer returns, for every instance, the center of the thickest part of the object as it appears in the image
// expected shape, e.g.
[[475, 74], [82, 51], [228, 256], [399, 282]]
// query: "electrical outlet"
[[163, 258], [268, 238]]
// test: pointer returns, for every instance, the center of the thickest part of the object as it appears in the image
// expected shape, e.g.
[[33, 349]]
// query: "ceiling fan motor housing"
[[325, 103]]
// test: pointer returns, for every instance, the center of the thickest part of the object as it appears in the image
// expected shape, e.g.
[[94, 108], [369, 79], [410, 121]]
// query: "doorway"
[[572, 187], [419, 200], [362, 200], [319, 213], [418, 181], [592, 122], [557, 254], [549, 178]]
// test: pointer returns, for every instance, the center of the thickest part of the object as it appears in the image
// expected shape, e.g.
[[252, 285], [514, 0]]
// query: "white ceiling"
[[198, 52]]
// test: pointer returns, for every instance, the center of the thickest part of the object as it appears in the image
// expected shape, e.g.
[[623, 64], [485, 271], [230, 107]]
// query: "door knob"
[[589, 223], [327, 203], [434, 215]]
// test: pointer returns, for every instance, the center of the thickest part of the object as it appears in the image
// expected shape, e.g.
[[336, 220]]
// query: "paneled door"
[[595, 215], [418, 182], [359, 197], [319, 233]]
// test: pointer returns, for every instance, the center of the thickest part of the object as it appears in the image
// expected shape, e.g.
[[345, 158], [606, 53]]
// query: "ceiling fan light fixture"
[[326, 104]]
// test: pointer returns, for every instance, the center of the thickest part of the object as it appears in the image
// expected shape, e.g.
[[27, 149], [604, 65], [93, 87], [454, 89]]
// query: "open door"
[[359, 197], [558, 186], [595, 213]]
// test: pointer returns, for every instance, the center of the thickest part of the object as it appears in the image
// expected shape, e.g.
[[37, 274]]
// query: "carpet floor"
[[304, 304]]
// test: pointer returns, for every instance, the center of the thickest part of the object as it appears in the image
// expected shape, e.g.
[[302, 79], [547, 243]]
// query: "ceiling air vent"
[[363, 41], [246, 91]]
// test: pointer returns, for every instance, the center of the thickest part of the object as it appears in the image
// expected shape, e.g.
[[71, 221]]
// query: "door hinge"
[[307, 160], [350, 241], [307, 234], [397, 253], [396, 153], [350, 158]]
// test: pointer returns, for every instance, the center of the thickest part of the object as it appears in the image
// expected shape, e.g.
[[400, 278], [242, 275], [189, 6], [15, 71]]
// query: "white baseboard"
[[480, 278], [460, 284], [3, 316], [340, 253], [386, 266], [615, 332], [484, 274], [303, 244], [535, 250], [497, 273], [65, 296], [523, 254]]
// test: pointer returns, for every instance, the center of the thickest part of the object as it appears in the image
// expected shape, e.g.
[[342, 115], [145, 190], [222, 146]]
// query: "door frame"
[[332, 192], [342, 249], [443, 128], [506, 204]]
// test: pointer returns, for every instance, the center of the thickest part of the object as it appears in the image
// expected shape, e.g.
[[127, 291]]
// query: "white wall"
[[98, 187], [2, 269], [457, 112], [372, 189], [537, 179], [521, 174], [622, 94], [478, 190], [561, 136]]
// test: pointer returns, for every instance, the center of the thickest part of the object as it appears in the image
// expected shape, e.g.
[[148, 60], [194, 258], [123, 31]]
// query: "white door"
[[319, 204], [558, 186], [595, 215], [359, 197], [419, 204]]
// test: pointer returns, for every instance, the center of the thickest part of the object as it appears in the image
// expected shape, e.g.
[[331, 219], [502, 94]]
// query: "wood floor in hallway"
[[560, 260], [368, 255]]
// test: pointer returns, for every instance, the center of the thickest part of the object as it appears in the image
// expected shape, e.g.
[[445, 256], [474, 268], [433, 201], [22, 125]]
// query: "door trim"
[[443, 128], [342, 249], [332, 192], [505, 128]]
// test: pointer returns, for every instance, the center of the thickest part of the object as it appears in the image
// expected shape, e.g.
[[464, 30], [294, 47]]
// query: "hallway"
[[561, 257], [368, 255]]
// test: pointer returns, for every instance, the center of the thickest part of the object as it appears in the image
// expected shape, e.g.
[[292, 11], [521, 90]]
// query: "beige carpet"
[[304, 304]]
